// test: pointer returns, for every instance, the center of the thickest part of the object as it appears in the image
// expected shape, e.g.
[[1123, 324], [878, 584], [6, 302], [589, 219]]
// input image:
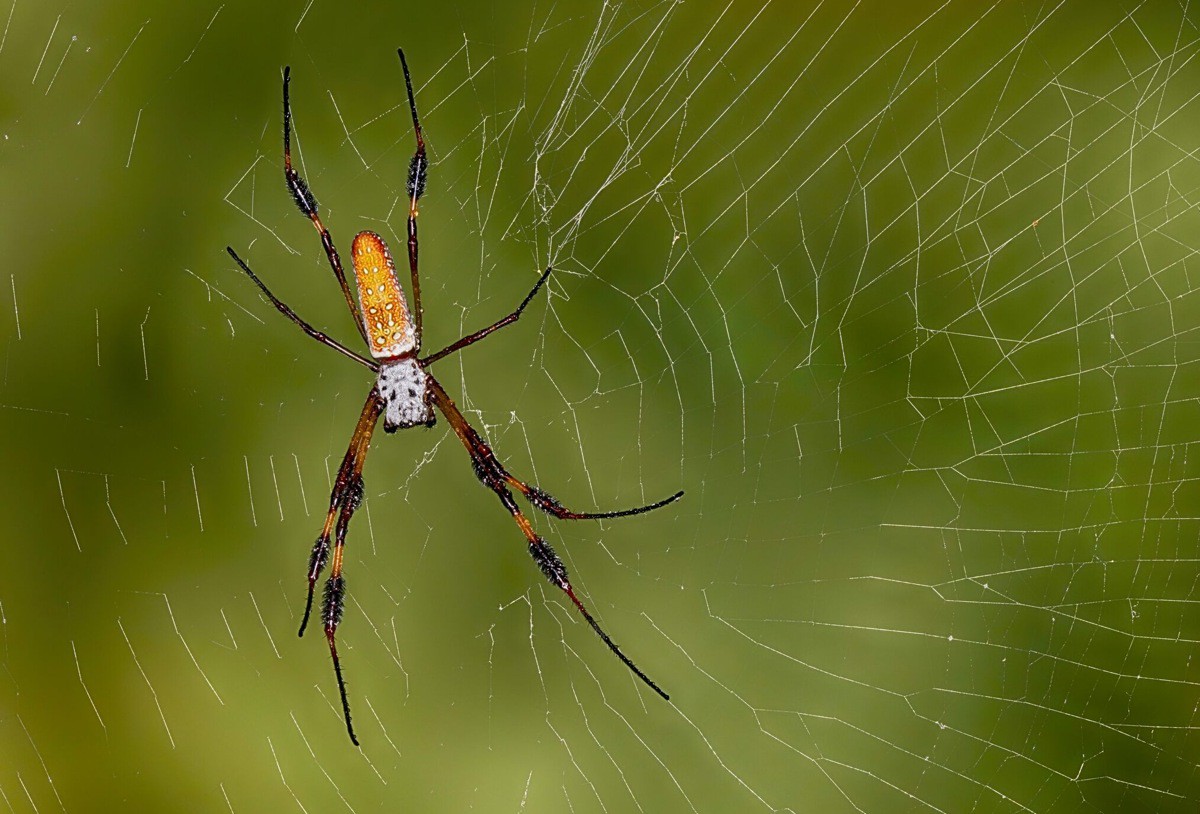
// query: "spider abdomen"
[[384, 309], [405, 402]]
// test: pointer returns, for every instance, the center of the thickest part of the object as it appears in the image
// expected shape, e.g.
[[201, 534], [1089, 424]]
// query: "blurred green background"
[[901, 294]]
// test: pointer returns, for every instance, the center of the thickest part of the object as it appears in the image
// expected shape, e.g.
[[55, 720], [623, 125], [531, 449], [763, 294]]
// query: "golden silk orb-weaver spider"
[[405, 393]]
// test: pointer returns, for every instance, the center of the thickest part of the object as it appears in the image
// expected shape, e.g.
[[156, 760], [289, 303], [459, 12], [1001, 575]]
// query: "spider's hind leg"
[[306, 202]]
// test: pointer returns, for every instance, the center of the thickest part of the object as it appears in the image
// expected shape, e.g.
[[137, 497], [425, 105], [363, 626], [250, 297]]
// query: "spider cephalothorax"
[[401, 385], [405, 394]]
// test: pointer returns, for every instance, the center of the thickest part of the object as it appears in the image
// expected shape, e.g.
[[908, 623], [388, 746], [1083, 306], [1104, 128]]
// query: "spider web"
[[902, 297]]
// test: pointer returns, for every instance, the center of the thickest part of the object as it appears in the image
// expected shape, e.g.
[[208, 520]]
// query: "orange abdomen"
[[384, 309]]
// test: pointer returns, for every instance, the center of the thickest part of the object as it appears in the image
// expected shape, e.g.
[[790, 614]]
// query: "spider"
[[405, 394]]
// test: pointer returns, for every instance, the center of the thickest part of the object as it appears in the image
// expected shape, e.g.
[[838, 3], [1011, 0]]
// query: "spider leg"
[[307, 204], [418, 170], [346, 497], [290, 314], [539, 498], [551, 505], [471, 339], [492, 475]]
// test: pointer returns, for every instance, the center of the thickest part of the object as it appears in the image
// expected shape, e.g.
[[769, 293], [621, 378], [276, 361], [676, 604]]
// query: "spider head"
[[406, 404]]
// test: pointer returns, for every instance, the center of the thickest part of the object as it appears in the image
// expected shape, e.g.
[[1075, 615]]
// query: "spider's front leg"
[[345, 499], [343, 502], [493, 475]]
